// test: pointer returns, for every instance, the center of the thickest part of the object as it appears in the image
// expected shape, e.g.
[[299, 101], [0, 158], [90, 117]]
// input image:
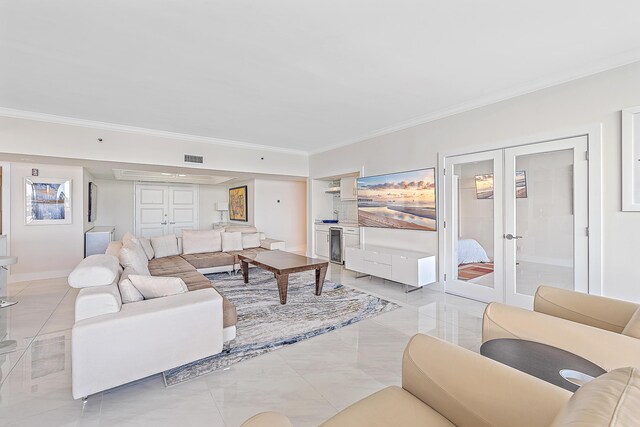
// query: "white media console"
[[407, 267]]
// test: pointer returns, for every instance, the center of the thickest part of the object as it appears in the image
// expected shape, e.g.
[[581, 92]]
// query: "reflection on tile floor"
[[309, 381]]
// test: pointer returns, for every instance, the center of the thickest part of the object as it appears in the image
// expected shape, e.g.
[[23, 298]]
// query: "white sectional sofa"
[[118, 338]]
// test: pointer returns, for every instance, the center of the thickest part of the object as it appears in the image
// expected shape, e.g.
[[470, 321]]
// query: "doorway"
[[165, 209], [517, 218]]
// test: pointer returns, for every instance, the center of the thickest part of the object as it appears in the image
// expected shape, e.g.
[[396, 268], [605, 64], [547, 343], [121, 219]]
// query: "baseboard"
[[302, 250], [41, 275]]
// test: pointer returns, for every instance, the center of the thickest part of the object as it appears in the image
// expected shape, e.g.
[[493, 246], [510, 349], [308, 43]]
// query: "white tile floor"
[[309, 381]]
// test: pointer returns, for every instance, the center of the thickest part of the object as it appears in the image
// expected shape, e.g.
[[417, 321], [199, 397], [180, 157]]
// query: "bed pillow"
[[250, 240], [231, 241], [201, 241], [158, 286], [164, 246], [146, 245], [132, 255], [470, 251], [128, 292]]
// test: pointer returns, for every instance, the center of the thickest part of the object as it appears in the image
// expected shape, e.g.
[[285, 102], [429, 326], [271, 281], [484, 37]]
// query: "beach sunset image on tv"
[[401, 200]]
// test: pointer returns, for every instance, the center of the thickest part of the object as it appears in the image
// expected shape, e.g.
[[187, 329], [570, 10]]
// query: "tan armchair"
[[447, 385], [603, 330]]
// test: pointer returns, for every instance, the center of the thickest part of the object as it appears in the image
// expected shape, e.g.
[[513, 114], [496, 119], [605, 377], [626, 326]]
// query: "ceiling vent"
[[190, 158]]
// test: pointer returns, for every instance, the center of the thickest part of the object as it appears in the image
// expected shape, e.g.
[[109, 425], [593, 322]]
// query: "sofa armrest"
[[599, 312], [471, 390], [144, 338], [268, 419], [272, 244], [606, 349]]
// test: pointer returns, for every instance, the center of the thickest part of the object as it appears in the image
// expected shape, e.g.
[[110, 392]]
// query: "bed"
[[470, 251]]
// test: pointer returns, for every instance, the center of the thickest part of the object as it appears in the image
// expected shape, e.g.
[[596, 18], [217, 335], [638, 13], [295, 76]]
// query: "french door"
[[165, 209], [517, 218]]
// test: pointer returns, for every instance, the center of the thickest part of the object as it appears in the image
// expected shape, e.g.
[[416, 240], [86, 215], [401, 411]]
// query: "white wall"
[[281, 211], [45, 251], [31, 137], [591, 100], [209, 195], [115, 205]]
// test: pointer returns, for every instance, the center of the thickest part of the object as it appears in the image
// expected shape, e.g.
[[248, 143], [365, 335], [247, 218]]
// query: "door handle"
[[511, 237], [163, 223]]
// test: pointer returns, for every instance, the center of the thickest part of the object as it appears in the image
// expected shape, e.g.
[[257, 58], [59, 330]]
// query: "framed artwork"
[[631, 159], [238, 204], [47, 201], [484, 185], [404, 200], [93, 202]]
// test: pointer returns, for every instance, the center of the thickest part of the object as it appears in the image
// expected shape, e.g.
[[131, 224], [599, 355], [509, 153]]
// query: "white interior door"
[[162, 209], [473, 232], [546, 218]]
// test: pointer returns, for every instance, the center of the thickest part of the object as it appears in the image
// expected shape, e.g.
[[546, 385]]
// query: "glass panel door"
[[473, 232], [546, 218]]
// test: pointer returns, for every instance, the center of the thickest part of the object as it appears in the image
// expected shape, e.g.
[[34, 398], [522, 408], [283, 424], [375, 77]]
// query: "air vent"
[[190, 158]]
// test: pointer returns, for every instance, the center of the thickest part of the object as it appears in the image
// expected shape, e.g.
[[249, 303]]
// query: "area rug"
[[265, 325], [473, 270]]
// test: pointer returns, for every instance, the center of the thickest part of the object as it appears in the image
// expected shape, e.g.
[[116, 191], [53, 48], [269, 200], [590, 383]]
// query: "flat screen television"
[[404, 200]]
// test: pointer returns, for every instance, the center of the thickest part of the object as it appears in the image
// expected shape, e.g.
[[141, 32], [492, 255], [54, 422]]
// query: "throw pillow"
[[158, 286], [231, 241], [240, 228], [146, 245], [128, 237], [250, 240], [128, 292], [94, 270], [164, 246], [132, 255], [633, 327], [201, 241]]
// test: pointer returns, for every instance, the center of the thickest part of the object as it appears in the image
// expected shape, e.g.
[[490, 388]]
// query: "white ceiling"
[[297, 74]]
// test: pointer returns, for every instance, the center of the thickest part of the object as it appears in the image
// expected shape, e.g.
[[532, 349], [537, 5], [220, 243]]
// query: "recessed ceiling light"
[[181, 175], [167, 174]]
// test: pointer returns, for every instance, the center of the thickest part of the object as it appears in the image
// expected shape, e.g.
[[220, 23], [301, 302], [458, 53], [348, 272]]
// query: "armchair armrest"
[[471, 390], [606, 349], [144, 338], [599, 312]]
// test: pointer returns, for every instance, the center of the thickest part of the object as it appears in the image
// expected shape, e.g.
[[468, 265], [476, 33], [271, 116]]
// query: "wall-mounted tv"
[[405, 200]]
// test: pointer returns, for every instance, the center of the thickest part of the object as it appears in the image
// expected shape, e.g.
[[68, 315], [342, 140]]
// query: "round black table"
[[540, 360]]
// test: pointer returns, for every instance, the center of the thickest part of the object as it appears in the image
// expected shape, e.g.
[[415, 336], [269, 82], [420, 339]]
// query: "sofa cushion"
[[611, 400], [128, 237], [392, 406], [240, 229], [158, 286], [114, 248], [200, 241], [132, 255], [196, 281], [209, 259], [165, 266], [633, 327], [146, 245], [250, 240], [128, 292], [96, 301], [94, 270], [164, 246], [231, 241]]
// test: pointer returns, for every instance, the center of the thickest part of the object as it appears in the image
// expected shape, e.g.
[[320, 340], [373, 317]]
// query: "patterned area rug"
[[265, 325], [471, 271]]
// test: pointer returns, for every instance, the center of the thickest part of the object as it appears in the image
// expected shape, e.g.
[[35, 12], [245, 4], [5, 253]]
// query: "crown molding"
[[617, 61], [50, 118]]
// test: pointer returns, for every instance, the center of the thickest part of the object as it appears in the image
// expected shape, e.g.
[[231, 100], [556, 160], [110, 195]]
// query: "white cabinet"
[[348, 189], [407, 267], [322, 243]]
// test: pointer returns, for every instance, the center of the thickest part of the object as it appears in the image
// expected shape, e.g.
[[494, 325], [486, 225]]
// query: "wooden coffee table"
[[548, 363], [281, 264]]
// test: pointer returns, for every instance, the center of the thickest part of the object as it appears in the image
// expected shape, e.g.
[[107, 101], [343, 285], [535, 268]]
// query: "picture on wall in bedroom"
[[484, 185], [405, 200]]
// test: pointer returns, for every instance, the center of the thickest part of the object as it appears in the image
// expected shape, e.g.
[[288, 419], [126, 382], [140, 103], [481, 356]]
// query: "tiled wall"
[[347, 209]]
